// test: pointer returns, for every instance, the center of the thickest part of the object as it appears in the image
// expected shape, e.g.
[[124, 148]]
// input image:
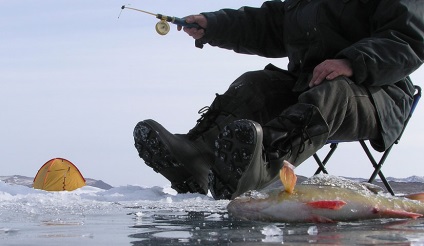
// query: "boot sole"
[[234, 151], [154, 152]]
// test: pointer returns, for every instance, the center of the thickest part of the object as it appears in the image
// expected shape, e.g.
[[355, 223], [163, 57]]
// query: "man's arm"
[[247, 30], [395, 48]]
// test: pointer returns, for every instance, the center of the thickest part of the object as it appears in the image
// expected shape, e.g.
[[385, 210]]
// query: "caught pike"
[[321, 199]]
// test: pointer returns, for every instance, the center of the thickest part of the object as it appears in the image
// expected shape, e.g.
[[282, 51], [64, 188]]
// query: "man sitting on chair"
[[347, 79]]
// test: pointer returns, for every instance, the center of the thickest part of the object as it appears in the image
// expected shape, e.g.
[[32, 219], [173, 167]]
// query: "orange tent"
[[58, 174]]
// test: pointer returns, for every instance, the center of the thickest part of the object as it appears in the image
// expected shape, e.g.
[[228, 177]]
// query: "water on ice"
[[134, 215]]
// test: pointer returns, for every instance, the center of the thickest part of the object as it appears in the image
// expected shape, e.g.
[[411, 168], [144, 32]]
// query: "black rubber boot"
[[239, 165], [180, 160], [248, 157], [184, 159], [296, 134]]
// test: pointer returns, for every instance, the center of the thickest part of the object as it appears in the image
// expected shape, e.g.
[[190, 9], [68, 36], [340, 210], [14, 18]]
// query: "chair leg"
[[321, 165], [378, 166]]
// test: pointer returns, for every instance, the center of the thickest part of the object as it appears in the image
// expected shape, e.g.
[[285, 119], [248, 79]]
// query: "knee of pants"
[[246, 82], [262, 83], [328, 93], [248, 87], [252, 93]]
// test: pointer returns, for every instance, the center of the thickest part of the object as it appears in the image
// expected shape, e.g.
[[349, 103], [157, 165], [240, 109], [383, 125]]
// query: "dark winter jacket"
[[383, 40]]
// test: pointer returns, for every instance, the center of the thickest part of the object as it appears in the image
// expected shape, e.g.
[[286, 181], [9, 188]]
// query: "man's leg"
[[346, 107], [330, 110], [185, 159]]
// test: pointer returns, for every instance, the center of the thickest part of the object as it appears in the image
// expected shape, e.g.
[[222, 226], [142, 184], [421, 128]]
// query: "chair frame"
[[377, 166]]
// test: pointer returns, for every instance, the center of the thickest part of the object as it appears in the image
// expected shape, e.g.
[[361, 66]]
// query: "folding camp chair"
[[377, 166]]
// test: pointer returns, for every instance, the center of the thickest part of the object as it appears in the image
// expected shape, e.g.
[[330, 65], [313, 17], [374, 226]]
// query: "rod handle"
[[182, 22]]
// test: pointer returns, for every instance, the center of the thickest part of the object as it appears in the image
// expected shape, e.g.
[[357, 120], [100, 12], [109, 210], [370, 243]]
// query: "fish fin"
[[288, 177], [400, 213], [327, 204], [320, 219], [416, 197]]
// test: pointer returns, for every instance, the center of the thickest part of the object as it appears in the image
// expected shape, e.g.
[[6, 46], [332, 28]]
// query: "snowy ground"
[[133, 215]]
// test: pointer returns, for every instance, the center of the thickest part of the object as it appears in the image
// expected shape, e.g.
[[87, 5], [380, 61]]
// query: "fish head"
[[250, 203], [264, 206]]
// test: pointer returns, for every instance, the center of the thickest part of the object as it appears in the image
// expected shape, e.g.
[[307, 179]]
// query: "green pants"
[[346, 107]]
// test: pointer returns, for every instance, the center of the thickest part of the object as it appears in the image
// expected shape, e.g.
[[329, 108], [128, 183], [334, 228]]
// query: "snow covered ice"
[[95, 216], [134, 215]]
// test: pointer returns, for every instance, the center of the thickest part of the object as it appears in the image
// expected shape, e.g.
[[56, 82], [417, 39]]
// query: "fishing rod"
[[162, 27]]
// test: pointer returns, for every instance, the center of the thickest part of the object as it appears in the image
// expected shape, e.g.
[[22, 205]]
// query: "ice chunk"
[[272, 234], [272, 230], [313, 230]]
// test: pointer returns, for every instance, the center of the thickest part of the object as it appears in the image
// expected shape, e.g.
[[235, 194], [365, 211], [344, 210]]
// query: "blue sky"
[[75, 80]]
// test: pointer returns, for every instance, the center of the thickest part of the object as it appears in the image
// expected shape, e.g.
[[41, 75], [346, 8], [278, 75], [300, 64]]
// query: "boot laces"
[[208, 116], [288, 145], [203, 111]]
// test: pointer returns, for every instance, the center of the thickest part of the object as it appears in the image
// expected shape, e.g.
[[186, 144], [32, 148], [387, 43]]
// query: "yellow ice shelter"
[[58, 174]]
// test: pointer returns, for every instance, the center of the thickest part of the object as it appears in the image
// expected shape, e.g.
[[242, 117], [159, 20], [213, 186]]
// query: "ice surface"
[[134, 215]]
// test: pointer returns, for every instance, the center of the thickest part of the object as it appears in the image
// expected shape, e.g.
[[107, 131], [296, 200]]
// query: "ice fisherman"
[[347, 79]]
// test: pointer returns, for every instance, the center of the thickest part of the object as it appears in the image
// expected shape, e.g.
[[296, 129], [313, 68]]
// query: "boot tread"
[[233, 151]]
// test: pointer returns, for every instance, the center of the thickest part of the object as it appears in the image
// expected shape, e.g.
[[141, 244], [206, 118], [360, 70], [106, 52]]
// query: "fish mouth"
[[248, 206]]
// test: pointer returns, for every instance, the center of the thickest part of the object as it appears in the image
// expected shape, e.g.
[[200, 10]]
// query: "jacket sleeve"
[[395, 48], [256, 31]]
